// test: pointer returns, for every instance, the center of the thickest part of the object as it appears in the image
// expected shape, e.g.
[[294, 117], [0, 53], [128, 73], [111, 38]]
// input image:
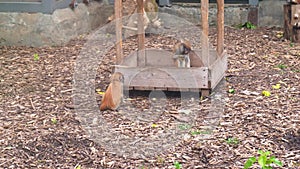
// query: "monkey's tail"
[[103, 107]]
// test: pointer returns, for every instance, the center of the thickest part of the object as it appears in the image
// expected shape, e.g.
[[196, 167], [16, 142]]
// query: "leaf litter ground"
[[39, 127]]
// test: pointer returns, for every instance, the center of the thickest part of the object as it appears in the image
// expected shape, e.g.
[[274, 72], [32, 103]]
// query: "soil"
[[40, 128]]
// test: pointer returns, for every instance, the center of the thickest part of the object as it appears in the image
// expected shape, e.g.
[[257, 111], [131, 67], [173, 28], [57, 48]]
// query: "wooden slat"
[[164, 77], [217, 70], [141, 33], [220, 36], [118, 15], [205, 27]]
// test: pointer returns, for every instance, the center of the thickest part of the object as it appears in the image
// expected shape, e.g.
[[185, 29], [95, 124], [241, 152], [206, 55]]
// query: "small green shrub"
[[263, 160], [247, 25], [177, 165]]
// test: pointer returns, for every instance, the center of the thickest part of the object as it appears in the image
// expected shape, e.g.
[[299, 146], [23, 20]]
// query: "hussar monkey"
[[181, 54], [114, 93]]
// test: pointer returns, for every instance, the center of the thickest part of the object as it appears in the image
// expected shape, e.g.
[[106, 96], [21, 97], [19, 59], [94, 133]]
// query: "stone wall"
[[37, 29], [234, 14], [271, 13], [267, 13]]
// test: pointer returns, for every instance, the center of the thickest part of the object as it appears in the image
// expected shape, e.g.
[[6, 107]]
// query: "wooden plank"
[[141, 34], [154, 57], [205, 27], [165, 77], [287, 21], [217, 70], [220, 36], [206, 60], [205, 92], [118, 15], [142, 88]]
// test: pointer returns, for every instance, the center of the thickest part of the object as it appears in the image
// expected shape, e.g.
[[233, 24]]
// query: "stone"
[[37, 29]]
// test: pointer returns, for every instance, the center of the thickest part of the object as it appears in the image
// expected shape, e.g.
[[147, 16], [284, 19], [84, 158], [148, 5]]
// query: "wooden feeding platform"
[[154, 69]]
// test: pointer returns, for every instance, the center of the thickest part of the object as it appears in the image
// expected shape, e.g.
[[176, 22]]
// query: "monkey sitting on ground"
[[181, 54], [114, 93]]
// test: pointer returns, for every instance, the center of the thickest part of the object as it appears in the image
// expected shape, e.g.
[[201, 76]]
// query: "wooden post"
[[141, 59], [118, 15], [292, 22], [220, 38], [204, 37]]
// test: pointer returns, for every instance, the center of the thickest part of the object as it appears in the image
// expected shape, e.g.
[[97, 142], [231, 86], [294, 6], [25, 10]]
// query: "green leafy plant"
[[184, 126], [291, 44], [247, 25], [281, 66], [197, 132], [54, 121], [231, 91], [263, 160], [36, 57], [177, 165], [232, 140]]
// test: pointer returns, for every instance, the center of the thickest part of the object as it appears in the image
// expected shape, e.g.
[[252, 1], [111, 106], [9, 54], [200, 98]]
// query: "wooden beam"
[[205, 27], [118, 15], [141, 34], [220, 36]]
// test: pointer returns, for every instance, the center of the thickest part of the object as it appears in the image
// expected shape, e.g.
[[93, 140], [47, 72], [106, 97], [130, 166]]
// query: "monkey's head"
[[185, 48], [117, 76]]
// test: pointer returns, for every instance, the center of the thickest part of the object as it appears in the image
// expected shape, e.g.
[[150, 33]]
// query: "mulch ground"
[[40, 129]]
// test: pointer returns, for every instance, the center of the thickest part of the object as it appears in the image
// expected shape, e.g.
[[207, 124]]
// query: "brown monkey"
[[114, 93], [184, 55], [182, 48], [181, 54]]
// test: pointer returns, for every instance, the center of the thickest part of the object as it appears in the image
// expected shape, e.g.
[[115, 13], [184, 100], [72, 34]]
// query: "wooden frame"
[[147, 70]]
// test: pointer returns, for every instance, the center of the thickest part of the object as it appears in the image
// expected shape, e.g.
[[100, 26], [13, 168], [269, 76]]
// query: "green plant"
[[231, 91], [247, 25], [197, 132], [177, 165], [36, 57], [184, 126], [281, 66], [232, 140], [263, 160], [54, 121]]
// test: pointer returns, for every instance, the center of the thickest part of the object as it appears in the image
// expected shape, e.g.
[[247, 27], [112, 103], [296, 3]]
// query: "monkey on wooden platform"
[[114, 93], [181, 54]]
